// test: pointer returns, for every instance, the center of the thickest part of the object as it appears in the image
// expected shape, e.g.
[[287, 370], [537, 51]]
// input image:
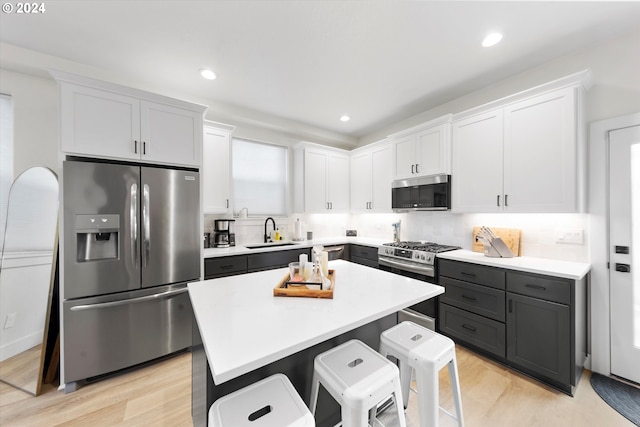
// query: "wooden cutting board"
[[512, 237]]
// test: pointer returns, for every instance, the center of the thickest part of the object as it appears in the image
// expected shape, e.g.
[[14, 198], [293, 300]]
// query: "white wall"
[[615, 65], [35, 112]]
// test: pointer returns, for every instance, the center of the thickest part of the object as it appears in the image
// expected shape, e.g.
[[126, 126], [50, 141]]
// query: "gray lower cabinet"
[[240, 264], [268, 260], [224, 266], [365, 255], [531, 322]]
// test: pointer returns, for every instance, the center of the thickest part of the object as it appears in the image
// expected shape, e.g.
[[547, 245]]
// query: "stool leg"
[[455, 386], [428, 395], [354, 417], [397, 394], [405, 381], [315, 388]]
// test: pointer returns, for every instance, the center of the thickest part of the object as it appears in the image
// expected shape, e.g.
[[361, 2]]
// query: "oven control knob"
[[423, 257]]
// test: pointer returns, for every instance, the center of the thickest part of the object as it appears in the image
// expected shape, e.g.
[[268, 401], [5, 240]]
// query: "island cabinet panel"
[[534, 323], [365, 255], [269, 260], [225, 266]]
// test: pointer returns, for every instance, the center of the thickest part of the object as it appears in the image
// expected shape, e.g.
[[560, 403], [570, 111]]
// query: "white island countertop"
[[244, 327]]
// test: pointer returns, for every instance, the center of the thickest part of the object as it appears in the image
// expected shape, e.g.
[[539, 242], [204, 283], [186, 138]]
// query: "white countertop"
[[566, 269], [244, 327], [243, 249]]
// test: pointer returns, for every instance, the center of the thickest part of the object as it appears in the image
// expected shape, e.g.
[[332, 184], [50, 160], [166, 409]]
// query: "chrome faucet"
[[266, 236]]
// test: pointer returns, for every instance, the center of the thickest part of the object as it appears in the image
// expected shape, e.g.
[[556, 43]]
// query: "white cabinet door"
[[405, 155], [477, 173], [315, 181], [170, 134], [99, 123], [338, 182], [432, 151], [108, 124], [382, 175], [540, 154], [361, 181], [216, 171]]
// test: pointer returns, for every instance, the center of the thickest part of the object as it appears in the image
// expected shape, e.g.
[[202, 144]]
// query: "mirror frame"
[[52, 355]]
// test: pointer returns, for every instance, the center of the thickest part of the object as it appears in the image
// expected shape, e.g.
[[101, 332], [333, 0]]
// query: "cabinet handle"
[[327, 205], [498, 200], [412, 169], [226, 267], [506, 200], [144, 148], [464, 273], [135, 147], [227, 203], [470, 298], [417, 167], [468, 327], [537, 287], [510, 306]]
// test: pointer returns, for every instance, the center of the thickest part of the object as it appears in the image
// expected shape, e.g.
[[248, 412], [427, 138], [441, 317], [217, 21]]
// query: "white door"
[[360, 182], [216, 172], [624, 243]]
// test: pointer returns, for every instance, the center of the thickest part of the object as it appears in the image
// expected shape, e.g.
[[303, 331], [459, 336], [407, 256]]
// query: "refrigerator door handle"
[[146, 224], [128, 301], [133, 223]]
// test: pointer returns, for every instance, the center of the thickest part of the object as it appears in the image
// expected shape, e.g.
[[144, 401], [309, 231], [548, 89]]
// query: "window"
[[259, 173], [6, 157]]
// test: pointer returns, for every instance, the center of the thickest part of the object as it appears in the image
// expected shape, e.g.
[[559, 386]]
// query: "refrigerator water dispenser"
[[97, 237]]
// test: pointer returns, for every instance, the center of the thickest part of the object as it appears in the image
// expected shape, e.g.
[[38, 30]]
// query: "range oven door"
[[424, 313]]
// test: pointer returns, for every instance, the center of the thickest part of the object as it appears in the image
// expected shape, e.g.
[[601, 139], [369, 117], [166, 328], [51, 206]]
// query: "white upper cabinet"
[[423, 150], [322, 180], [476, 180], [523, 156], [371, 176], [99, 119], [216, 170]]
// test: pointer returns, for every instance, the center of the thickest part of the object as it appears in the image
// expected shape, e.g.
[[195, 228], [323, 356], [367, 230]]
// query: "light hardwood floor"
[[160, 395]]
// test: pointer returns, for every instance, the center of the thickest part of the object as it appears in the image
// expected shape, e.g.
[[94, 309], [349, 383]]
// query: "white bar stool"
[[358, 378], [427, 352], [269, 402]]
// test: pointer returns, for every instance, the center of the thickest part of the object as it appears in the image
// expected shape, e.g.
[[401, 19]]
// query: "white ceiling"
[[312, 61]]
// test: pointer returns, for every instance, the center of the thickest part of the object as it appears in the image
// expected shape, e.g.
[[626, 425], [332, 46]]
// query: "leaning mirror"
[[27, 269]]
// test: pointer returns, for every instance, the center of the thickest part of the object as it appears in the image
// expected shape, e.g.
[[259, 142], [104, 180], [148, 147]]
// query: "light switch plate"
[[573, 236]]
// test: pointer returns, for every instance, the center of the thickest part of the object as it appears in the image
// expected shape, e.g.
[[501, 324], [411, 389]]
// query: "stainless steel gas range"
[[417, 260]]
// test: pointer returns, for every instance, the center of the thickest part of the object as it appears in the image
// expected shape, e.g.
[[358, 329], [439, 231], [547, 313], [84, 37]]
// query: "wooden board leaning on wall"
[[512, 237]]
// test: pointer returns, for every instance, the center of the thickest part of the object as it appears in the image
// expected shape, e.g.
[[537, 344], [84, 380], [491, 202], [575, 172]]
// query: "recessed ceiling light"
[[207, 74], [492, 39], [345, 118]]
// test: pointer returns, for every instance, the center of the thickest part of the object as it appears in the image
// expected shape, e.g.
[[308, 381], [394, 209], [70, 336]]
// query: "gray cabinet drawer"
[[270, 260], [479, 331], [475, 273], [225, 266], [543, 287], [366, 252], [477, 299]]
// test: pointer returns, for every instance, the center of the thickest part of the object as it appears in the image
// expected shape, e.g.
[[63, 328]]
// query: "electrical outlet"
[[352, 233], [573, 237], [9, 320]]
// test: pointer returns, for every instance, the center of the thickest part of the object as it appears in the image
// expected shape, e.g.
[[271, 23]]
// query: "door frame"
[[599, 343]]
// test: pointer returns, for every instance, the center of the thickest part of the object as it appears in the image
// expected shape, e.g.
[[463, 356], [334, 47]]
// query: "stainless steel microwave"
[[426, 193]]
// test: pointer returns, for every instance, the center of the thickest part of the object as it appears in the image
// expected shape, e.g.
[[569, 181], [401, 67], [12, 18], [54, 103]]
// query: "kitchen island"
[[242, 333]]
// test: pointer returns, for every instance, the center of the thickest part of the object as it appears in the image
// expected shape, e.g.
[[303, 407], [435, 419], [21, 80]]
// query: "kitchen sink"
[[270, 245]]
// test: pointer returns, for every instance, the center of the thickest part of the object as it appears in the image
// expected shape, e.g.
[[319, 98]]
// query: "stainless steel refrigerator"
[[131, 243]]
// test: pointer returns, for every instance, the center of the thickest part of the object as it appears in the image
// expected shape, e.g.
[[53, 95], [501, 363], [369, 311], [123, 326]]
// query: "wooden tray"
[[512, 237], [302, 291]]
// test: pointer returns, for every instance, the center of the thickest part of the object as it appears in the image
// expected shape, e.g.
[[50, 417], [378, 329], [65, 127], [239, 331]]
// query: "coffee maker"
[[223, 234]]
